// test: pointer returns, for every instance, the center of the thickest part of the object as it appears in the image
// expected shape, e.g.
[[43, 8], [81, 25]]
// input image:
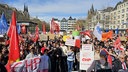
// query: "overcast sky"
[[47, 9]]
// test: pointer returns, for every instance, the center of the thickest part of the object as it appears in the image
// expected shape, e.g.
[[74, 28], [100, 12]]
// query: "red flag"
[[87, 33], [117, 43], [109, 59], [23, 29], [7, 42], [14, 52], [54, 26], [77, 43], [36, 34], [9, 30], [51, 26], [43, 29], [57, 29]]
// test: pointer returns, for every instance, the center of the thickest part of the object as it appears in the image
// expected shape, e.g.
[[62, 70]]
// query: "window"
[[122, 21], [118, 17], [118, 22], [114, 27], [127, 15], [118, 12], [123, 10], [111, 27], [118, 26], [127, 19], [114, 17], [122, 26], [123, 16]]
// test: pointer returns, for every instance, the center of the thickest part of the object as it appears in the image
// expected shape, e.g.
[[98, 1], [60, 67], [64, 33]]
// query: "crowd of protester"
[[64, 58]]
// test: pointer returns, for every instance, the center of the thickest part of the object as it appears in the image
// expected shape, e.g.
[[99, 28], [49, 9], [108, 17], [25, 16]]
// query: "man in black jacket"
[[119, 64]]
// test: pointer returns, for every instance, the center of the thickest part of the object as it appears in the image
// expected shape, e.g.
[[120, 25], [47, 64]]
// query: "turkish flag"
[[14, 52]]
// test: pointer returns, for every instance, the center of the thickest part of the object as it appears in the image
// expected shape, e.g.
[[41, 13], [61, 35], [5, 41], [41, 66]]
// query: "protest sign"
[[86, 56], [43, 37], [86, 47], [86, 59], [28, 65], [51, 36], [70, 42], [123, 38]]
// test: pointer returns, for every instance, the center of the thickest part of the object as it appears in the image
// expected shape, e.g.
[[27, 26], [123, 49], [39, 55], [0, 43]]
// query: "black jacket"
[[117, 65], [2, 68]]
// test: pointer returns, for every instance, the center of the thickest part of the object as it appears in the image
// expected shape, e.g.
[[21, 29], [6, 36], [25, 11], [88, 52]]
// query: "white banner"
[[29, 65], [70, 42]]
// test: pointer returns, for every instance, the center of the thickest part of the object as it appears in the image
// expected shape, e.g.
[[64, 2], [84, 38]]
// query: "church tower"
[[92, 10], [26, 13]]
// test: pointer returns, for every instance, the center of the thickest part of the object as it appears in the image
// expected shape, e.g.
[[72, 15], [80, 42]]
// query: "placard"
[[123, 38], [43, 37], [86, 47], [70, 42], [51, 36], [86, 56], [86, 59]]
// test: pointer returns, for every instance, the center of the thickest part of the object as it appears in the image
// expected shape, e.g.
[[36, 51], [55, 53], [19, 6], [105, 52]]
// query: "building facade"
[[66, 24], [111, 17], [71, 23]]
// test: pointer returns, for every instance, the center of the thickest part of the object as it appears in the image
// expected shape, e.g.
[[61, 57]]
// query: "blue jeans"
[[70, 65]]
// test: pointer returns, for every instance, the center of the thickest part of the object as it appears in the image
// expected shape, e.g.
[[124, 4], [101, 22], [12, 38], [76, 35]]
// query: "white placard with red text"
[[86, 56]]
